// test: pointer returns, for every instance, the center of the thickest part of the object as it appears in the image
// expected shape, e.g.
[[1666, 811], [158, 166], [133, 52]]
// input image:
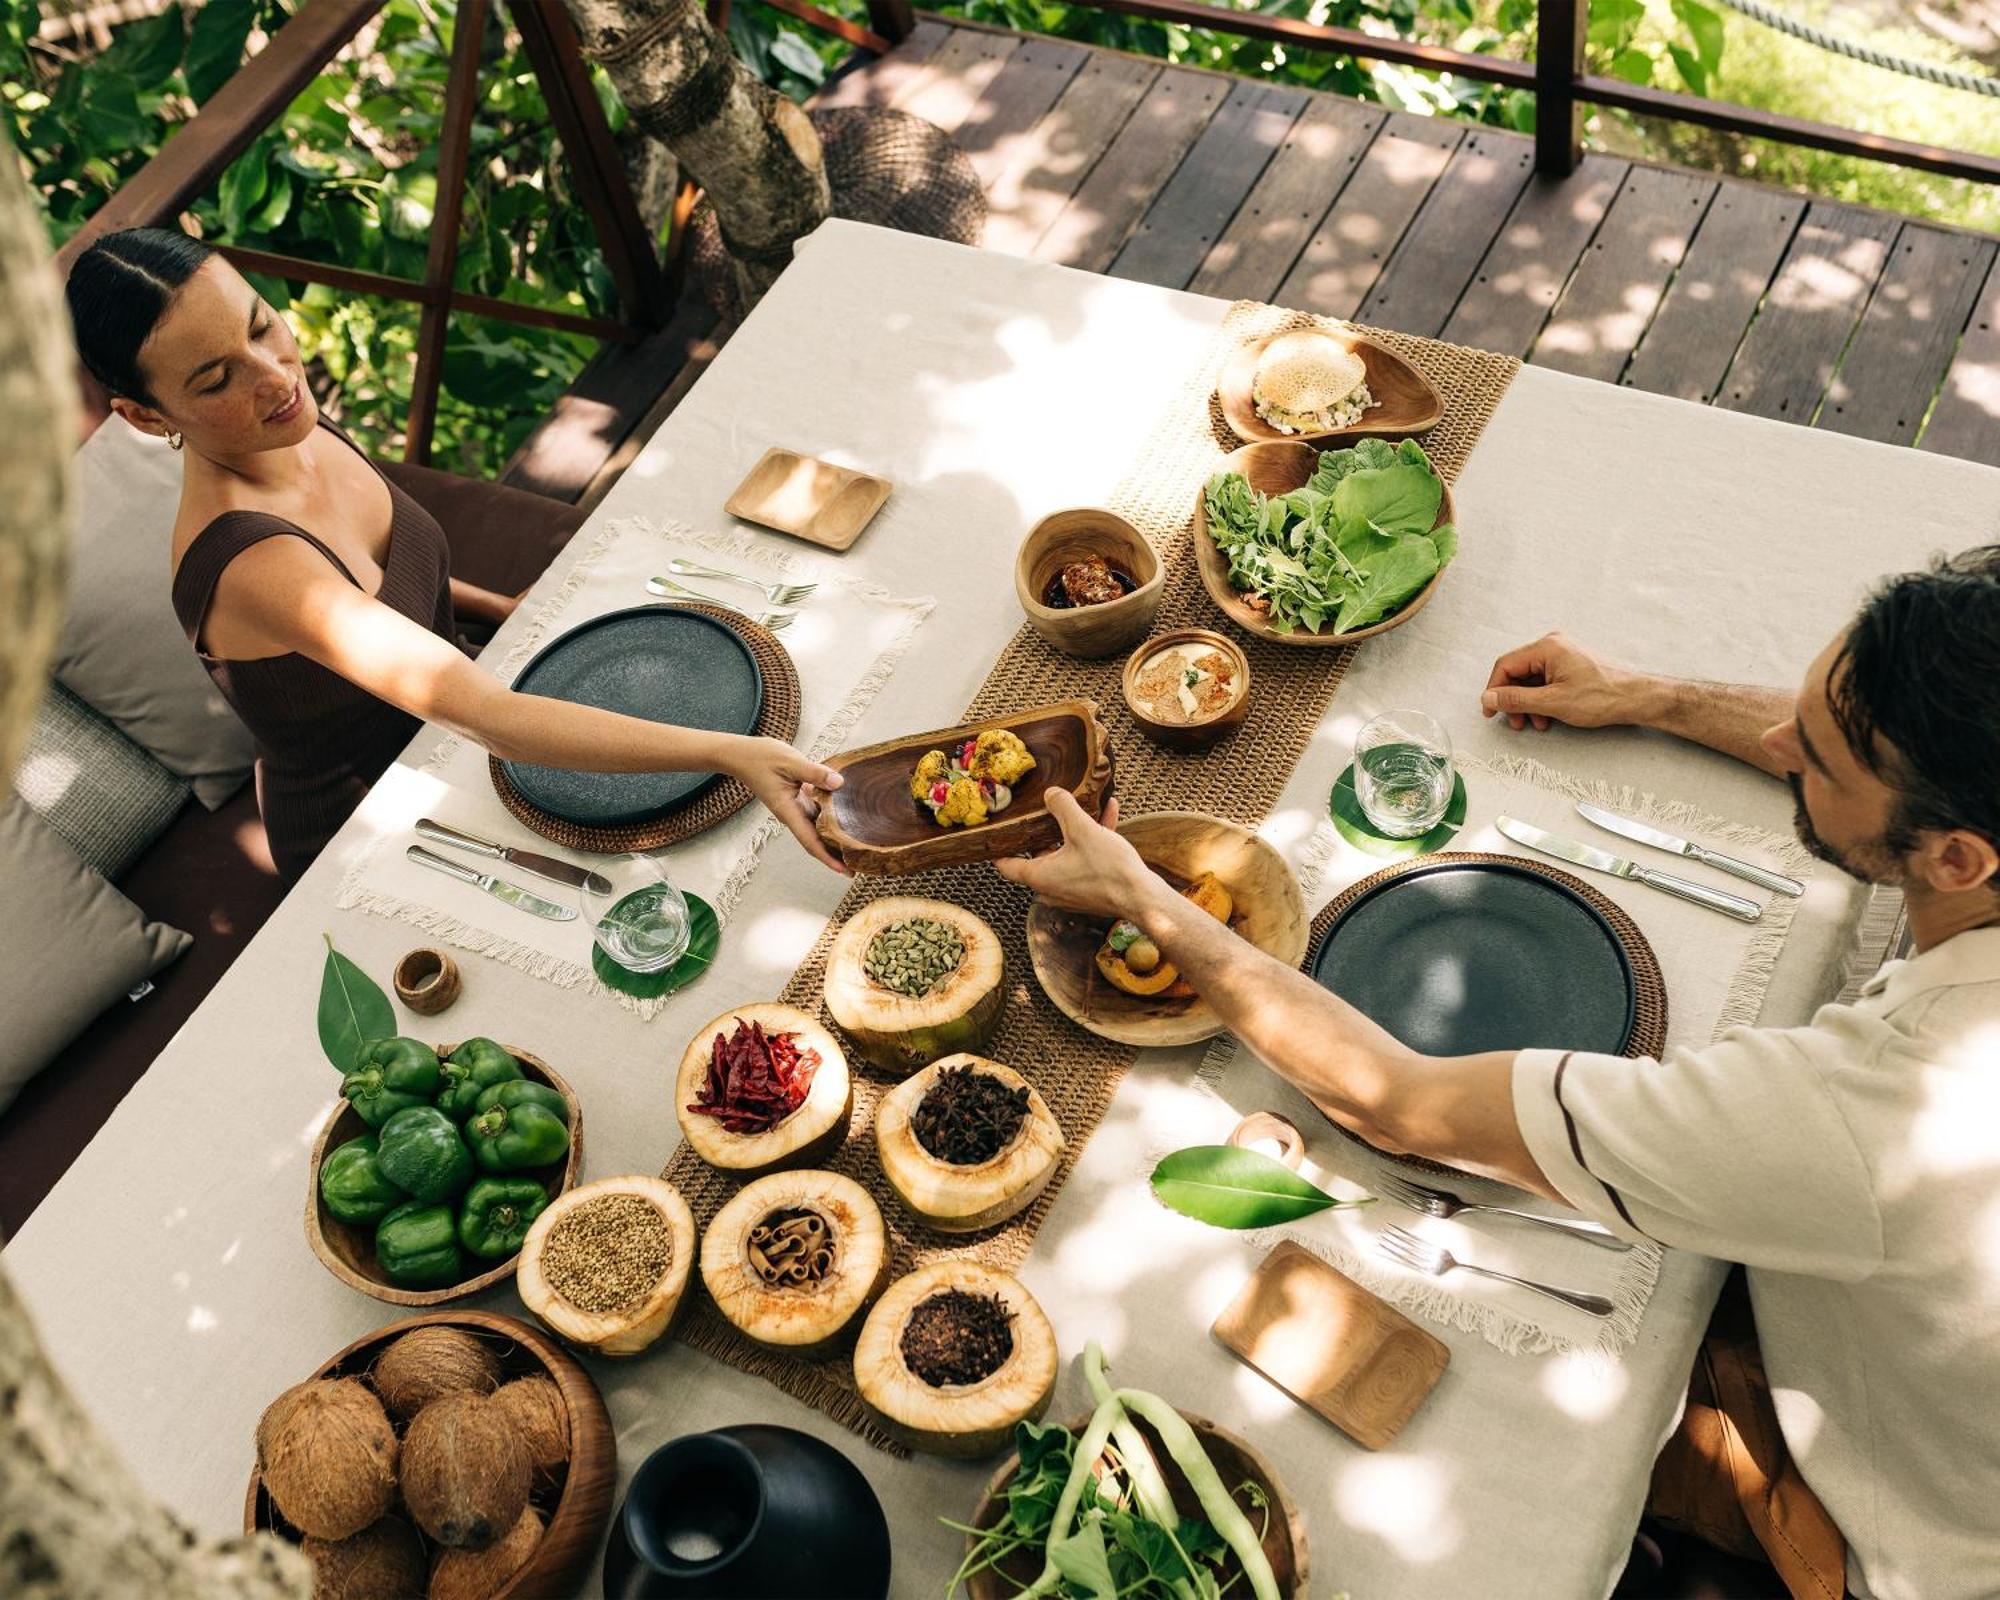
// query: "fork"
[[777, 594], [773, 621], [1438, 1203], [1434, 1261]]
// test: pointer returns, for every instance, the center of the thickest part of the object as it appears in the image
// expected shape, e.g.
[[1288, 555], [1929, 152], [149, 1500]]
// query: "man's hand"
[[1094, 871], [1557, 680]]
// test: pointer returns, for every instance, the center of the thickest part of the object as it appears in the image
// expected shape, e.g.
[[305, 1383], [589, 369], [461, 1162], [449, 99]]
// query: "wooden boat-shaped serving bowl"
[[1180, 846], [874, 825], [575, 1509], [1234, 1459], [348, 1252], [1405, 401], [1274, 469]]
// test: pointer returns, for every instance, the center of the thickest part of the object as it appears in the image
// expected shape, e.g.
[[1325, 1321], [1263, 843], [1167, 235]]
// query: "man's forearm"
[[1730, 717]]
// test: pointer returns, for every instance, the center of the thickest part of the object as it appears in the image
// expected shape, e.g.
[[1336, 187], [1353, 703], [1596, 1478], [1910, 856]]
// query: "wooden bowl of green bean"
[[1250, 1480]]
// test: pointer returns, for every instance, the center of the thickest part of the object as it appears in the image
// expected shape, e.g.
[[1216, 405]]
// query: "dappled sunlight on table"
[[1406, 1499], [1584, 1385]]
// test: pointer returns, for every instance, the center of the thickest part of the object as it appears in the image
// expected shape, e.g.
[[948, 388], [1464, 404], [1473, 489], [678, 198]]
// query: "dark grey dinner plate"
[[663, 663], [1458, 957]]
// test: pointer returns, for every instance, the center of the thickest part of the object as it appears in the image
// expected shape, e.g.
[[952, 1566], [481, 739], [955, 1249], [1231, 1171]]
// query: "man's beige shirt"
[[1853, 1166]]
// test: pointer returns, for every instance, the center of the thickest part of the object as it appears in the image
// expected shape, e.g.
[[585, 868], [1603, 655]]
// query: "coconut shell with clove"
[[384, 1561], [535, 1406], [428, 1362], [466, 1471], [478, 1574], [328, 1457]]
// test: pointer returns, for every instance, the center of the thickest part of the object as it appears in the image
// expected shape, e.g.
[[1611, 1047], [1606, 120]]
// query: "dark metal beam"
[[1560, 28]]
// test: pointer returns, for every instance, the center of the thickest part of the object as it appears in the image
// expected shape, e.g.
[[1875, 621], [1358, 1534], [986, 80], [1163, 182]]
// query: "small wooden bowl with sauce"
[[1088, 632], [1195, 734]]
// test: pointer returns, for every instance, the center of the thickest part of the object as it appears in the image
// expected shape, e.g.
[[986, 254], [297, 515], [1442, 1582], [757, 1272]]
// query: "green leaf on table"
[[352, 1010], [1229, 1187]]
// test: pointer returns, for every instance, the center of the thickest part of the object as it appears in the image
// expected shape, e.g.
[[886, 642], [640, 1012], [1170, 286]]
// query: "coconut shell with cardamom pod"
[[466, 1471], [896, 989], [966, 1143], [606, 1265], [384, 1561], [426, 1363], [479, 1574], [800, 1137], [328, 1456]]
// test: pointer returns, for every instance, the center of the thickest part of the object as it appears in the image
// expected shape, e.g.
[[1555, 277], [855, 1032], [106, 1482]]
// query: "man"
[[1852, 1166]]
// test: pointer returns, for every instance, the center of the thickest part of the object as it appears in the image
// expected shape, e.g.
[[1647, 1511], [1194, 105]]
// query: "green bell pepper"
[[510, 1136], [524, 1093], [495, 1215], [352, 1185], [420, 1150], [416, 1246], [391, 1075], [469, 1071]]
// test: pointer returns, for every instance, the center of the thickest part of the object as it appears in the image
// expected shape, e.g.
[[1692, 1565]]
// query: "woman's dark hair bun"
[[118, 290]]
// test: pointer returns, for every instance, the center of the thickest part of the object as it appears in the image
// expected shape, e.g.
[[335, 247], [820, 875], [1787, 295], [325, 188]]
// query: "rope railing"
[[1822, 39]]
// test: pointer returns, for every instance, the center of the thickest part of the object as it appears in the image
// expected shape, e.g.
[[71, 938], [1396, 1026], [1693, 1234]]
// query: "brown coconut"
[[328, 1456], [431, 1361], [535, 1406], [466, 1471], [478, 1574], [384, 1561]]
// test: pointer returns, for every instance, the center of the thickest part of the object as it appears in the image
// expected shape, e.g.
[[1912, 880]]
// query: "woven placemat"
[[1076, 1072], [705, 807], [1649, 1011]]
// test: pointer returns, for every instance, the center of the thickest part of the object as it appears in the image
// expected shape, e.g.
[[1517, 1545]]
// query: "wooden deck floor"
[[1728, 293]]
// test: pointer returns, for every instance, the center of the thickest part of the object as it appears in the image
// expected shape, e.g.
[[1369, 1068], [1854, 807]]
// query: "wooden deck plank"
[[1618, 284], [1021, 94], [1344, 257], [948, 86], [1966, 419], [1051, 161], [1907, 335], [1530, 261], [879, 82], [1714, 296], [1209, 186], [1093, 227], [1306, 174], [1441, 249], [1788, 357]]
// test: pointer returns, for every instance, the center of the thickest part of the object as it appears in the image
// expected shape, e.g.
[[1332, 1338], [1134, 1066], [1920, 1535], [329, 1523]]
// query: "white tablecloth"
[[168, 1271]]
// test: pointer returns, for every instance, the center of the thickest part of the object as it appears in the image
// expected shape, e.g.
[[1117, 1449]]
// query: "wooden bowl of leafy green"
[[1312, 547]]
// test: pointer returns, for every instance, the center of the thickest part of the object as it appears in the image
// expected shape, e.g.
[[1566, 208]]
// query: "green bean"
[[1088, 1449], [1144, 1471]]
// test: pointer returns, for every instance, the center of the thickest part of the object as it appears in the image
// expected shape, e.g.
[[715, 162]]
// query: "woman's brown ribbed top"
[[321, 739]]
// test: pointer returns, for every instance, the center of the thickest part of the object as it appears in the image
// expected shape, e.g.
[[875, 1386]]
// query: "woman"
[[315, 591]]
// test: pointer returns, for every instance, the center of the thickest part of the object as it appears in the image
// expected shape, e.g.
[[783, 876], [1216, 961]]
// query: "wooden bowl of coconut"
[[1244, 1471], [459, 1455]]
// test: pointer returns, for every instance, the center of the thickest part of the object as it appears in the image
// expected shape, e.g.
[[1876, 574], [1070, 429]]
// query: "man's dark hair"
[[1916, 692], [118, 290]]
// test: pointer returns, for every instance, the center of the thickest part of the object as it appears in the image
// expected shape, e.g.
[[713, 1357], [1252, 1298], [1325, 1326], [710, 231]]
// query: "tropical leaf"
[[1228, 1187], [352, 1010]]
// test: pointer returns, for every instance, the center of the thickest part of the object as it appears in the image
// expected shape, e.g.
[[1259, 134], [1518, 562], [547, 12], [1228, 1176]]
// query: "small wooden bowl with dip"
[[1172, 724], [1088, 631]]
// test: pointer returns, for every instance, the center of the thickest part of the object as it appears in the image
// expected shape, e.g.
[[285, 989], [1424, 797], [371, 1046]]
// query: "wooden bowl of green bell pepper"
[[421, 1196]]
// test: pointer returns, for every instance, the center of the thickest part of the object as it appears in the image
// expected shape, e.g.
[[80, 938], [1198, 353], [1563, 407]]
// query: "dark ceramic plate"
[[1468, 956], [663, 663]]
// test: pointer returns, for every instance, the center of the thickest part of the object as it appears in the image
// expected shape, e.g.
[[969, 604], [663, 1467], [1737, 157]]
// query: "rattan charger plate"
[[705, 807], [1648, 1035]]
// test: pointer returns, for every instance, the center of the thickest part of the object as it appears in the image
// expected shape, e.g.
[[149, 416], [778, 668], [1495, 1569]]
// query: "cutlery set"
[[1583, 855], [780, 599]]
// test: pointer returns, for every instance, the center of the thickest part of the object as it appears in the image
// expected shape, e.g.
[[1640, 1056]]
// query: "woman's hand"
[[1095, 871], [788, 784]]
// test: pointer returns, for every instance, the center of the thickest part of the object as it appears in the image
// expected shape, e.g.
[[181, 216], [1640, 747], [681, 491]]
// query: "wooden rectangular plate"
[[1331, 1345], [872, 823], [808, 498]]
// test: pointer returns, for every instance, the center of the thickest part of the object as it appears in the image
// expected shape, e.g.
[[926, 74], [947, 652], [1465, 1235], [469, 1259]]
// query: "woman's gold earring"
[[173, 441]]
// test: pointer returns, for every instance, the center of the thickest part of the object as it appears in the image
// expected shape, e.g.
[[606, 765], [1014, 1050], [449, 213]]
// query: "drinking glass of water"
[[1403, 773], [642, 922]]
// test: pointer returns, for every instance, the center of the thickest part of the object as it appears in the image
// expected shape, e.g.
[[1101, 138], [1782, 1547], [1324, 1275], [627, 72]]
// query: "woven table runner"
[[1076, 1072]]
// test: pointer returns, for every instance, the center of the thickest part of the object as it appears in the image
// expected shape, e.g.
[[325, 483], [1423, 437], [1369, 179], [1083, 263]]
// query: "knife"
[[1639, 832], [1551, 844], [520, 899], [555, 870]]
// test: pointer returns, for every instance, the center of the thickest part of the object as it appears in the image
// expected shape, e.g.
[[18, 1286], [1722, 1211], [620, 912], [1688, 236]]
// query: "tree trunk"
[[654, 174], [749, 147], [73, 1524]]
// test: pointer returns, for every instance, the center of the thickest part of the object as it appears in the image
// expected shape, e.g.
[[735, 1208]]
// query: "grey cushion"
[[70, 945], [122, 649], [105, 796]]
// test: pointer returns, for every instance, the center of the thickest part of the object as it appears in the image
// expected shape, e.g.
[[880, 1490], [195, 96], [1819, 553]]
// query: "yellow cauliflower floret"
[[1001, 756], [933, 767], [964, 807]]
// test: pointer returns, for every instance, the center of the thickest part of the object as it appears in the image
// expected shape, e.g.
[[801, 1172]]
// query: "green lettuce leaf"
[[1403, 498], [1082, 1559], [1392, 579]]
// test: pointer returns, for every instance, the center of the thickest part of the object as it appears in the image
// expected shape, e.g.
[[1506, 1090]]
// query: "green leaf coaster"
[[704, 936], [1354, 826]]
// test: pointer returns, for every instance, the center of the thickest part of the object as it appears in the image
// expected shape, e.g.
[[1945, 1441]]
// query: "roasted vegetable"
[[420, 1150], [352, 1184], [469, 1071], [416, 1245], [391, 1075]]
